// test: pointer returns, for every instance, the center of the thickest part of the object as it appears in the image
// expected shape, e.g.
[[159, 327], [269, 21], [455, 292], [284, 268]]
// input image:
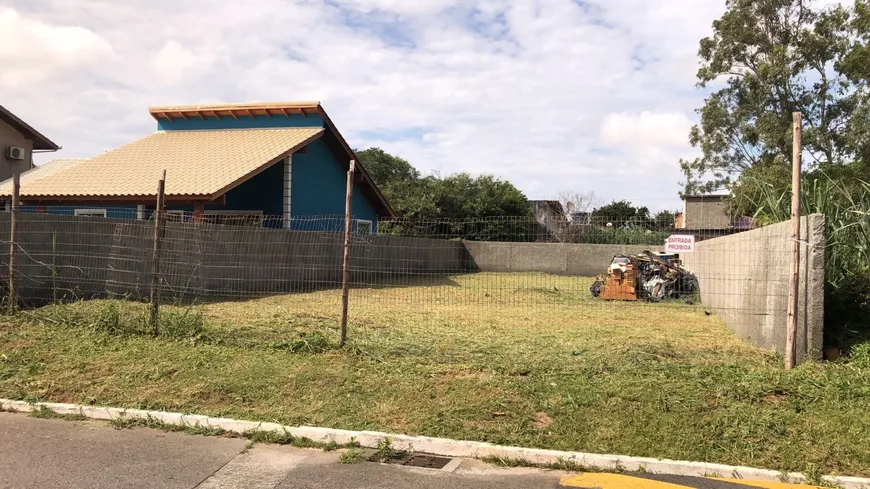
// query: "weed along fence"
[[431, 279]]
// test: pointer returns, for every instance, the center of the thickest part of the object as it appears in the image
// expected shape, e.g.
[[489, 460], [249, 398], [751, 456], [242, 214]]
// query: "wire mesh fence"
[[424, 281]]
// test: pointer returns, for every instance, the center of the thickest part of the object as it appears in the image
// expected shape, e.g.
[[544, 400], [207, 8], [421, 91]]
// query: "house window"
[[90, 212], [234, 218], [364, 227]]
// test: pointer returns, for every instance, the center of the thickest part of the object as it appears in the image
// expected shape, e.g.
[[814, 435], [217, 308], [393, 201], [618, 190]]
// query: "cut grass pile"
[[515, 359]]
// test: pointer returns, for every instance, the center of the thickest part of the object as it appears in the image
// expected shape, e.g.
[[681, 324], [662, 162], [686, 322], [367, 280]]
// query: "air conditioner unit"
[[15, 153]]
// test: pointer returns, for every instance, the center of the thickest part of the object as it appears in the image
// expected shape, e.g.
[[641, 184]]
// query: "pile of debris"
[[646, 276]]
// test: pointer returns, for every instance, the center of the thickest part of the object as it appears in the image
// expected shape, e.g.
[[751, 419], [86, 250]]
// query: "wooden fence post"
[[155, 256], [794, 278], [13, 231], [345, 267]]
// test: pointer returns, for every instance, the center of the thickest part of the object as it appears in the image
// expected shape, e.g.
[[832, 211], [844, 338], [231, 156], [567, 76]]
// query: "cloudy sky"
[[552, 95]]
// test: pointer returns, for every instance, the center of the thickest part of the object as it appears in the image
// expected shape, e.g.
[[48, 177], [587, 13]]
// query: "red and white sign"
[[680, 243]]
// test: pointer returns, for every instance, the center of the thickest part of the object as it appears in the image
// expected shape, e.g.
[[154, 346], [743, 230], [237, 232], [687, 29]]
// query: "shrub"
[[845, 202]]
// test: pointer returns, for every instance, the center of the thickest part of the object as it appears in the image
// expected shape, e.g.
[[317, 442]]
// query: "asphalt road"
[[52, 453]]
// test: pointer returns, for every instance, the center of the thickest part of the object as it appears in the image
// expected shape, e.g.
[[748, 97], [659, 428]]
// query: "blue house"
[[271, 164]]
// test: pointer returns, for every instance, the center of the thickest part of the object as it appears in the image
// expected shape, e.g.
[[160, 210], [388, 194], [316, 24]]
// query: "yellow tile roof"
[[198, 164], [46, 169]]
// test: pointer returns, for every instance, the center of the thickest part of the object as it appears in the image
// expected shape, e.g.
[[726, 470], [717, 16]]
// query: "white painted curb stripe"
[[441, 446]]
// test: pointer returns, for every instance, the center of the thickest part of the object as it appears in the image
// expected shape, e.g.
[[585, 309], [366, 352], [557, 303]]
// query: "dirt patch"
[[542, 420], [775, 398]]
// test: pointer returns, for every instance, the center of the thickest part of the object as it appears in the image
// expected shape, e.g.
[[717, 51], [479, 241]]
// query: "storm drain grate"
[[417, 460], [428, 461]]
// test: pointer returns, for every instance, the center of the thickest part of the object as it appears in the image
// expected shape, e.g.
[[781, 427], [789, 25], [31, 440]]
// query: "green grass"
[[43, 412], [255, 436], [352, 455], [515, 359]]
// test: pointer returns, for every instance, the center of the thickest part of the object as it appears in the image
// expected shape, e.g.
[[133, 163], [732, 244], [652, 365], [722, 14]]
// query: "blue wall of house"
[[243, 122], [263, 192], [318, 179], [319, 183], [70, 210]]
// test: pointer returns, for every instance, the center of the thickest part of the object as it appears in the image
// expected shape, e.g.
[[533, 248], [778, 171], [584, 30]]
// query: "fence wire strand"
[[426, 277]]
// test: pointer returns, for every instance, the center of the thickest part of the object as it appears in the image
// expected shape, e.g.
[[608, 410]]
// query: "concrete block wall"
[[744, 278], [586, 260]]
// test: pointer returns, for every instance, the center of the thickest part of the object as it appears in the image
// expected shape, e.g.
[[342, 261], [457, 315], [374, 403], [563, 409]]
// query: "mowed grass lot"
[[517, 359]]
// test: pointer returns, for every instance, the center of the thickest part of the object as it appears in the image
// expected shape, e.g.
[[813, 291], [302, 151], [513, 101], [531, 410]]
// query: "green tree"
[[856, 67], [456, 196], [774, 57], [664, 219], [400, 182], [621, 213], [385, 169], [462, 195]]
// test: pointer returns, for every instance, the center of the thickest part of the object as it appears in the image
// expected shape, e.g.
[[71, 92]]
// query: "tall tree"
[[455, 196], [621, 213], [856, 66], [773, 57], [400, 182], [462, 195], [385, 169]]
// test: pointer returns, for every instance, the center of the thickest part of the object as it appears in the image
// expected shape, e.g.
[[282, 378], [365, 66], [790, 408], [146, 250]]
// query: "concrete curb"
[[441, 446]]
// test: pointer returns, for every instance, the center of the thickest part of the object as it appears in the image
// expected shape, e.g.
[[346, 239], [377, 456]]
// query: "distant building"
[[709, 212], [743, 223], [706, 212], [18, 141], [581, 217]]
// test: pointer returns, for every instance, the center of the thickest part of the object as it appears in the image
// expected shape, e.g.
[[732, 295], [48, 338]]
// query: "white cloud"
[[656, 129], [550, 94], [173, 62], [31, 50]]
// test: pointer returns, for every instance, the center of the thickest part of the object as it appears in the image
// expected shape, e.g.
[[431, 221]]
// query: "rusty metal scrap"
[[645, 276]]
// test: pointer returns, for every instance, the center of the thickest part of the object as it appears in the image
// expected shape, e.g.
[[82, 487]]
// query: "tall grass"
[[846, 206]]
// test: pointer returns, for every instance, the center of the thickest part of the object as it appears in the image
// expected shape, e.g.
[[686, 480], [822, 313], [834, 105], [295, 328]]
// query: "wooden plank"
[[198, 210], [159, 229], [794, 278], [13, 228]]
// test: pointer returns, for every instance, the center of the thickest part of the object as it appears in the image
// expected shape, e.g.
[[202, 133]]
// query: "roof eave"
[[236, 111], [40, 142], [386, 205]]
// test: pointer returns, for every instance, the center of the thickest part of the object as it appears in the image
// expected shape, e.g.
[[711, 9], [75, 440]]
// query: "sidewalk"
[[53, 453]]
